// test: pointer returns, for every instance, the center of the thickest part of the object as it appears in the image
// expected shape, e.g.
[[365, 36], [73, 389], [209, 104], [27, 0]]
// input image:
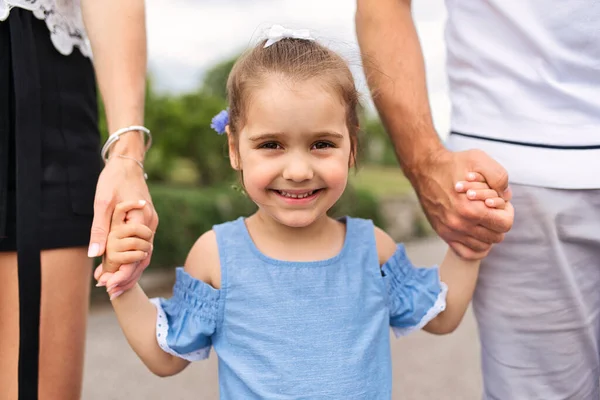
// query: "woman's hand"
[[122, 180]]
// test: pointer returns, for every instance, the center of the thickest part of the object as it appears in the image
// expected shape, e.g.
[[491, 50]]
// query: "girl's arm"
[[460, 276], [137, 317], [129, 242]]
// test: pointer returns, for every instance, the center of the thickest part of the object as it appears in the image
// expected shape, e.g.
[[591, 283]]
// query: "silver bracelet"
[[114, 137], [137, 161]]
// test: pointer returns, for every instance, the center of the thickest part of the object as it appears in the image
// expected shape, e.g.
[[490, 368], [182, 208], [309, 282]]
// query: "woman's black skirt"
[[49, 162]]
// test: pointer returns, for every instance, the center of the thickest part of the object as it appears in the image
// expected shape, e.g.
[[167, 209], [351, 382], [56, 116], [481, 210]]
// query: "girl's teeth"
[[296, 196]]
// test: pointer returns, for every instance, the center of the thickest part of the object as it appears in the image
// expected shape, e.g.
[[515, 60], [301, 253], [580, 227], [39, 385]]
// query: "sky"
[[186, 37]]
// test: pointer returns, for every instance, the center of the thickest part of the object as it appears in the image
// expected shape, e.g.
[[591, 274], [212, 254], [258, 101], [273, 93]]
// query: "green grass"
[[381, 181]]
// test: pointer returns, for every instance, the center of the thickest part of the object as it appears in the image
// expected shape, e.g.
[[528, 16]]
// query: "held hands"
[[121, 180], [129, 244], [476, 188], [469, 227]]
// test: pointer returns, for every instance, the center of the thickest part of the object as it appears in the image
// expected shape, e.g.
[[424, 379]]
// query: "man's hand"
[[121, 180], [470, 228]]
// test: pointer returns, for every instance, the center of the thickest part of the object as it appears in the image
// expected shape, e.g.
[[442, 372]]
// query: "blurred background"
[[192, 45]]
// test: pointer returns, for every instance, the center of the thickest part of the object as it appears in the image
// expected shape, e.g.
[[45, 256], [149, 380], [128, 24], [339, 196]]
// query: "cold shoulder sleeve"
[[186, 322], [415, 295]]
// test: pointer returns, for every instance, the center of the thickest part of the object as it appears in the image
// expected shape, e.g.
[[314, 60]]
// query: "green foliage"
[[377, 147], [215, 79], [186, 213]]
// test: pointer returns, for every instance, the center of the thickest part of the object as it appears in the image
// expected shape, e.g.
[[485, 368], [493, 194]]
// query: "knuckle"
[[102, 203], [476, 154], [98, 230], [465, 210], [454, 222]]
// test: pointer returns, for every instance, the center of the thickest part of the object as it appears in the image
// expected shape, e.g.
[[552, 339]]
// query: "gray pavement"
[[425, 367]]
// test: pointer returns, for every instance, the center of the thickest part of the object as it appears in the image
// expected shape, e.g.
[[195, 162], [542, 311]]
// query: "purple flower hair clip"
[[220, 121]]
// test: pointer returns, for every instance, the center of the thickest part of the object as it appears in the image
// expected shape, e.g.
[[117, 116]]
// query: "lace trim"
[[438, 307], [63, 18], [162, 330]]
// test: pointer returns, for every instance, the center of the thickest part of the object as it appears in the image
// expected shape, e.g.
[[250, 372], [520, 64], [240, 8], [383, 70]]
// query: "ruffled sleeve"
[[186, 322], [415, 295]]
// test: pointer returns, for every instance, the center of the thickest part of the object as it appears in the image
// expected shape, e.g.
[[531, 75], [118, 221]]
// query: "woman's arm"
[[117, 32]]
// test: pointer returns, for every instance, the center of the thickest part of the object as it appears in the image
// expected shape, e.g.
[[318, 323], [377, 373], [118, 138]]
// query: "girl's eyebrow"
[[275, 135]]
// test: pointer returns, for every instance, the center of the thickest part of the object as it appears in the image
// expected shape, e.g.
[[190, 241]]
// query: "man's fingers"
[[485, 235], [464, 186], [475, 177], [495, 175], [474, 244], [507, 195], [497, 202], [500, 221], [481, 194], [468, 253]]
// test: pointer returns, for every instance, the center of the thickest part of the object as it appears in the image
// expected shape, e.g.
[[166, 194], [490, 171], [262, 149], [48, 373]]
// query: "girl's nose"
[[298, 169]]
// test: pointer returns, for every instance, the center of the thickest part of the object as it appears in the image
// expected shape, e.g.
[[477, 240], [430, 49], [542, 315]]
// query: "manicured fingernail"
[[93, 250], [459, 187], [100, 284], [489, 202], [471, 193], [142, 202], [115, 295], [108, 289], [471, 175]]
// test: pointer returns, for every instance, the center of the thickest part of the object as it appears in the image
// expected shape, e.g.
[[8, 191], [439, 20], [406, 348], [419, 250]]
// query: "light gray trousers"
[[537, 301]]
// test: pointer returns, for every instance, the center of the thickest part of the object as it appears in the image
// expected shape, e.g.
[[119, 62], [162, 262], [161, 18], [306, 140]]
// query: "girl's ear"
[[233, 152]]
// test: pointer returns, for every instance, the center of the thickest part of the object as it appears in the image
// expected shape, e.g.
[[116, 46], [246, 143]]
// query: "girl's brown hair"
[[298, 60]]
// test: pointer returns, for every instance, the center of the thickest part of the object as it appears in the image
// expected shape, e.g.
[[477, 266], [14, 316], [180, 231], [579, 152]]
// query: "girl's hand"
[[476, 188], [128, 244]]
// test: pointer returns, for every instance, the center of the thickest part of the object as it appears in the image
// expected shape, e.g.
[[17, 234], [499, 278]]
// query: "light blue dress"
[[300, 330]]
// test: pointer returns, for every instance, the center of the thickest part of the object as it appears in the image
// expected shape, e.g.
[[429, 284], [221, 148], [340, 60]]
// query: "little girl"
[[296, 304]]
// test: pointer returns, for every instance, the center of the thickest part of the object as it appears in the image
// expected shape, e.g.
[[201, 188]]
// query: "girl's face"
[[294, 150]]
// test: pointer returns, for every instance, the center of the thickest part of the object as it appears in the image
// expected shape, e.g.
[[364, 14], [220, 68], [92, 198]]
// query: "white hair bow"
[[278, 32]]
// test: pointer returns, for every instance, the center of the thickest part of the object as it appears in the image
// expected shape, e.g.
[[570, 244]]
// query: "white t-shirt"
[[525, 87]]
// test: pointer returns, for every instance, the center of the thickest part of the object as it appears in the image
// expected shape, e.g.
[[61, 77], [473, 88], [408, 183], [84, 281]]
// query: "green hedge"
[[186, 213]]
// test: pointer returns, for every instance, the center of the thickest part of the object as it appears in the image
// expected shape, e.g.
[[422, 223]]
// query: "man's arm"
[[395, 71]]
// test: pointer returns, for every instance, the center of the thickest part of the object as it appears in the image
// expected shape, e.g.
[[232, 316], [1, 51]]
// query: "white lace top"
[[63, 18]]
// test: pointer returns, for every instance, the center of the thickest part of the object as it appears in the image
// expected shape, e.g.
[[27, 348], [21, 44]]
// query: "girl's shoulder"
[[386, 246], [203, 262]]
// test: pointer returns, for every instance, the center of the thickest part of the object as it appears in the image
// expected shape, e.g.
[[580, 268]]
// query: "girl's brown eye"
[[323, 145], [270, 146]]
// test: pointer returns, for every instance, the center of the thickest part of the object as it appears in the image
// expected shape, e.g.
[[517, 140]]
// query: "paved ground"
[[425, 366]]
